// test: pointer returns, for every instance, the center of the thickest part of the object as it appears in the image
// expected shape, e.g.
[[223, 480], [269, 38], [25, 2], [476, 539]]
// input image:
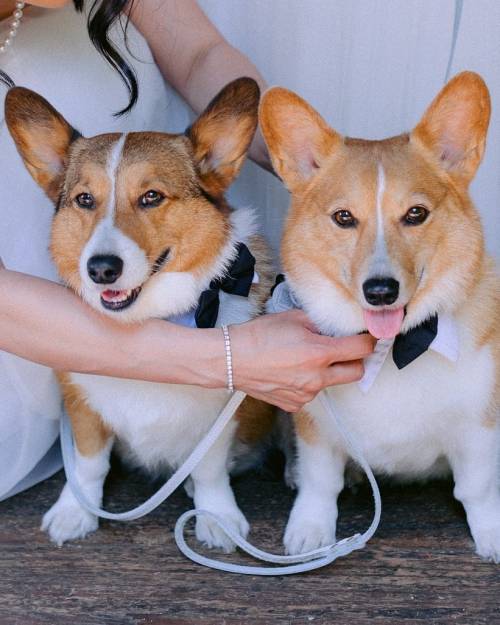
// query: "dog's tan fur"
[[305, 427], [91, 434]]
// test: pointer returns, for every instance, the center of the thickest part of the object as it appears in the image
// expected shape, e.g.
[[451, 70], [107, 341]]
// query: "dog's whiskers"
[[160, 261]]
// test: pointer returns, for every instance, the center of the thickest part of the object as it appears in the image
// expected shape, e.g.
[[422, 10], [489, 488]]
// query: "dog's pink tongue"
[[109, 294], [384, 324]]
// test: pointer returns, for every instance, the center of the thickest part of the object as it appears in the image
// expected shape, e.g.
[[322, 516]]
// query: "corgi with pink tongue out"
[[383, 237]]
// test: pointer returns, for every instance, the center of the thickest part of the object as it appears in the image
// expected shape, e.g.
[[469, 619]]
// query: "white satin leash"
[[289, 564], [68, 454]]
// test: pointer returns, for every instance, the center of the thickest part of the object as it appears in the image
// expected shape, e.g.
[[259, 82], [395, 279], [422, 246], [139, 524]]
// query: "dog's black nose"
[[380, 291], [104, 269]]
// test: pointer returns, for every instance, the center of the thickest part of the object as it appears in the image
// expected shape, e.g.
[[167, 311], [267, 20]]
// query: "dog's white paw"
[[67, 520], [487, 542], [210, 534], [304, 535], [310, 527]]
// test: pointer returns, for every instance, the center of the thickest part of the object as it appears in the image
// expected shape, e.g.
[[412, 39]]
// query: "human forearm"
[[277, 358], [220, 64], [194, 57], [47, 323]]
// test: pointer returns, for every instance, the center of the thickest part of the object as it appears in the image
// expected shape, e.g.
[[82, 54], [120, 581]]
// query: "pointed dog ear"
[[298, 138], [454, 126], [222, 134], [42, 137]]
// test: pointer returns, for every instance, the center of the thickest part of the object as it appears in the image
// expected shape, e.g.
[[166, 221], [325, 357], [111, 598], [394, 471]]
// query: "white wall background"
[[370, 67]]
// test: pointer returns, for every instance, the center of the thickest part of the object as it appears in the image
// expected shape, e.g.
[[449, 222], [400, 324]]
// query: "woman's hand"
[[281, 359]]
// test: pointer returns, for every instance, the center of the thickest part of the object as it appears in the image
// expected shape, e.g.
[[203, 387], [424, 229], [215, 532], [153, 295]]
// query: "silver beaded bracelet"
[[229, 359]]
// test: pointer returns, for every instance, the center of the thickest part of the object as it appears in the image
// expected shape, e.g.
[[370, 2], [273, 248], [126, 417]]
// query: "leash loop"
[[300, 563]]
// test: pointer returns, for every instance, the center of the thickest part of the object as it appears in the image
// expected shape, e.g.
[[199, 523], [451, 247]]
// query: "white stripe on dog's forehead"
[[380, 246], [114, 159], [106, 237], [380, 260]]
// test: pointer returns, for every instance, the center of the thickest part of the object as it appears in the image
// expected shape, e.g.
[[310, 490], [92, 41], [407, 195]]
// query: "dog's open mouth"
[[118, 300], [114, 299]]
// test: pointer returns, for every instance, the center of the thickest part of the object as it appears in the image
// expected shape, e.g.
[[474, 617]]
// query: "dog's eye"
[[85, 200], [344, 219], [150, 199], [415, 216]]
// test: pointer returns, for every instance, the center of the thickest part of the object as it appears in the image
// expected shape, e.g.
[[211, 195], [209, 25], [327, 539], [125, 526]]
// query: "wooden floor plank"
[[420, 567]]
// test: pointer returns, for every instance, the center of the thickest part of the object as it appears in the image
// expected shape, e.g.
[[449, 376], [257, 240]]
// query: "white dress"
[[53, 56]]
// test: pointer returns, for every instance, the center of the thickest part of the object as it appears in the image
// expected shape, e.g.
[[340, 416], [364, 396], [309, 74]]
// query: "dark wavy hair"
[[101, 15]]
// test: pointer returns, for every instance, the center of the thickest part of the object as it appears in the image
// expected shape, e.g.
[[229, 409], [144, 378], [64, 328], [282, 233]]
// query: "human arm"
[[193, 56], [277, 358], [47, 323]]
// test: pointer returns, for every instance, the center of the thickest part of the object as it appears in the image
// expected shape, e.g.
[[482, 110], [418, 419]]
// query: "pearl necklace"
[[17, 16]]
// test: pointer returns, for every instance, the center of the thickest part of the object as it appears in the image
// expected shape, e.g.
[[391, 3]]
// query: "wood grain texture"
[[420, 567]]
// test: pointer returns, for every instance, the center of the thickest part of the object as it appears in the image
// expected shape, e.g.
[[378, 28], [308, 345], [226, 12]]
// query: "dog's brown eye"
[[85, 200], [150, 199], [415, 216], [344, 219]]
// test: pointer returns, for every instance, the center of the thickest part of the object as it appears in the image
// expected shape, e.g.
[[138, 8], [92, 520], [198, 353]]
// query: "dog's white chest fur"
[[159, 423], [409, 418]]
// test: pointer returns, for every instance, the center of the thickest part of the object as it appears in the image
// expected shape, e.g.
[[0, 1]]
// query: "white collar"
[[282, 299], [187, 319], [445, 343]]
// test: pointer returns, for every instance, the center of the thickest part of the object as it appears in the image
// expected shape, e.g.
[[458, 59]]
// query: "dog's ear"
[[454, 126], [298, 138], [222, 134], [42, 137]]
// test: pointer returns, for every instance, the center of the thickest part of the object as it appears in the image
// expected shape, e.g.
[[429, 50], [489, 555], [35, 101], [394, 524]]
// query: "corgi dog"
[[142, 230], [382, 236]]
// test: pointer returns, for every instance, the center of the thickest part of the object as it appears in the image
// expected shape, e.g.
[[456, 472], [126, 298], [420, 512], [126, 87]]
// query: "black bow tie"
[[415, 342], [237, 281]]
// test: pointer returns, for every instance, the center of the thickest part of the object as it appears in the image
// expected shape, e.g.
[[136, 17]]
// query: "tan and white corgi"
[[383, 236], [142, 230]]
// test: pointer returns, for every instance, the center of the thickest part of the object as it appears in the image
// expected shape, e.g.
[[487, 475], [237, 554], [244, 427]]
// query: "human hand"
[[281, 359]]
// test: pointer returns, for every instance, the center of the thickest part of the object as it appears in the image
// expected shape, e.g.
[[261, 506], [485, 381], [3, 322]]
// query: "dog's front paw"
[[67, 520], [487, 542], [303, 535], [210, 534], [310, 528]]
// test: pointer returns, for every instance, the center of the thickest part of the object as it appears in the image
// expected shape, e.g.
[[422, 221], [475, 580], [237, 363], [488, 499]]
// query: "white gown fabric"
[[370, 67], [53, 56]]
